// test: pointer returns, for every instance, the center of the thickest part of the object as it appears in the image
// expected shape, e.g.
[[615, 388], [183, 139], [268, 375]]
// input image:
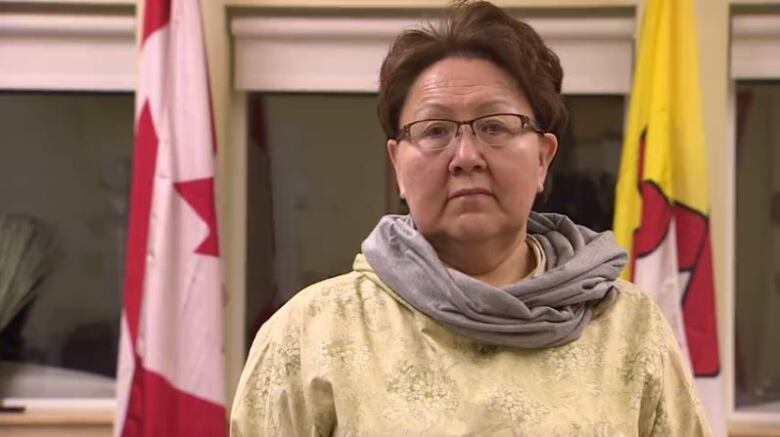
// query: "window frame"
[[755, 54], [324, 53], [63, 50]]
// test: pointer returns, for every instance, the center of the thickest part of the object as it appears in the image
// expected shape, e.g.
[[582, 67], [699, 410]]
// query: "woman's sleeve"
[[678, 411], [272, 398]]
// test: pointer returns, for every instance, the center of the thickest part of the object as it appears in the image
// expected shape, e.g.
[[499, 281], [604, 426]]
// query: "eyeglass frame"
[[525, 122]]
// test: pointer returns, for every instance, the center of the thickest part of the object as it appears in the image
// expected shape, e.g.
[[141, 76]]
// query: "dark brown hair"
[[474, 29]]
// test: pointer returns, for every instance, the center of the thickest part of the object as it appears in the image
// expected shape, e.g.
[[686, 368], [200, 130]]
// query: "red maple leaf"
[[199, 194]]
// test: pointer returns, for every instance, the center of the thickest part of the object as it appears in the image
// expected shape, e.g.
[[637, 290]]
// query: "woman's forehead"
[[463, 83], [460, 74]]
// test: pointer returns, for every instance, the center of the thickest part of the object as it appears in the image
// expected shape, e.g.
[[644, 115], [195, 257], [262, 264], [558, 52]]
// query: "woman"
[[472, 315]]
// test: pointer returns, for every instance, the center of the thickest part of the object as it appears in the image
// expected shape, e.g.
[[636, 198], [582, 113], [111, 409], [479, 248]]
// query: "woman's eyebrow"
[[439, 110], [496, 104], [432, 110]]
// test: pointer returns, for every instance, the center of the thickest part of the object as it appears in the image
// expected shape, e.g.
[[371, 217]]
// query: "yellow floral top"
[[348, 357]]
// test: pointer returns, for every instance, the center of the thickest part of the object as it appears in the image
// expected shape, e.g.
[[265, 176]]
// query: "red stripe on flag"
[[156, 15], [144, 164], [156, 408]]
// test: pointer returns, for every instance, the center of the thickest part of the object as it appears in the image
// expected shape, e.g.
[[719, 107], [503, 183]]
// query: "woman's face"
[[469, 192]]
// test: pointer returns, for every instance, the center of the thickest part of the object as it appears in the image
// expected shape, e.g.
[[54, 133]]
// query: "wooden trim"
[[59, 418], [744, 430]]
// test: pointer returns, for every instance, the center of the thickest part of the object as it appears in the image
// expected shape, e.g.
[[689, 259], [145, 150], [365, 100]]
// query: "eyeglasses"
[[497, 130]]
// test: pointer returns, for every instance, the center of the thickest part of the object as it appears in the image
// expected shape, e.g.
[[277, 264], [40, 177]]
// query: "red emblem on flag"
[[694, 258]]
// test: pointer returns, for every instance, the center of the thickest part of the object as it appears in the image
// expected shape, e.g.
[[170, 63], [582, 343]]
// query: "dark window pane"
[[317, 185], [64, 172], [582, 180], [757, 300]]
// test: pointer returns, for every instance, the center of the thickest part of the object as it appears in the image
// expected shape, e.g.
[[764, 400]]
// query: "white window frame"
[[67, 52], [343, 54], [755, 54]]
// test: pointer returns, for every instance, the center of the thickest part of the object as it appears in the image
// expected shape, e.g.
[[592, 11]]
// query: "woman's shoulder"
[[334, 305], [635, 295], [633, 299], [337, 287], [635, 316]]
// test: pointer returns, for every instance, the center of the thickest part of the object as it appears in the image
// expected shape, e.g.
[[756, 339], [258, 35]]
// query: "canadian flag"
[[170, 376]]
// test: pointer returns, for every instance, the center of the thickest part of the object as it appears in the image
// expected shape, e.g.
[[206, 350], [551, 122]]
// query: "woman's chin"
[[476, 228]]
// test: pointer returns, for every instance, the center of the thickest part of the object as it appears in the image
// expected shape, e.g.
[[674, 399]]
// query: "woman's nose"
[[467, 155]]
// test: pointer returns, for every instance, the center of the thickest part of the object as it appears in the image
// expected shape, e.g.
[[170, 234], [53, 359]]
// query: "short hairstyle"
[[481, 30]]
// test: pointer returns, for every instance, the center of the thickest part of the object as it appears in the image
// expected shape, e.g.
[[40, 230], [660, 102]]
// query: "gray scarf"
[[544, 311]]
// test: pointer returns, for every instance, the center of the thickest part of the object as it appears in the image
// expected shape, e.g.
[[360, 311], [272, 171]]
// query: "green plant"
[[25, 258]]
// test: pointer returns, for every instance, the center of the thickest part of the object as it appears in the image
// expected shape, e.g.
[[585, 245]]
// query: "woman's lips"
[[470, 192]]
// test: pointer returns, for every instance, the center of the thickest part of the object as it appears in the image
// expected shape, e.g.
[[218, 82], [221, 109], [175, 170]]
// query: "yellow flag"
[[662, 203]]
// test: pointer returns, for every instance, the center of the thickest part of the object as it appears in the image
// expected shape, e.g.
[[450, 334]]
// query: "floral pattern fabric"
[[348, 357]]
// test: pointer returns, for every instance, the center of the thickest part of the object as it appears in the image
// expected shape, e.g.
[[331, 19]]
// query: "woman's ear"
[[392, 153], [548, 148]]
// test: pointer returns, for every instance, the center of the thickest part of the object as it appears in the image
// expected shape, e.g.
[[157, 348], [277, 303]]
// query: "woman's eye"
[[436, 130], [493, 128]]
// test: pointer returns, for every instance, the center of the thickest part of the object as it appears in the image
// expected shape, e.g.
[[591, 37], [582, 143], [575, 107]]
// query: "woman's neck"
[[497, 263]]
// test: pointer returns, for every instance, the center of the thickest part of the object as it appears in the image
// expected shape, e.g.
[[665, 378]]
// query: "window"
[[64, 176], [583, 176], [317, 183], [66, 113], [757, 300]]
